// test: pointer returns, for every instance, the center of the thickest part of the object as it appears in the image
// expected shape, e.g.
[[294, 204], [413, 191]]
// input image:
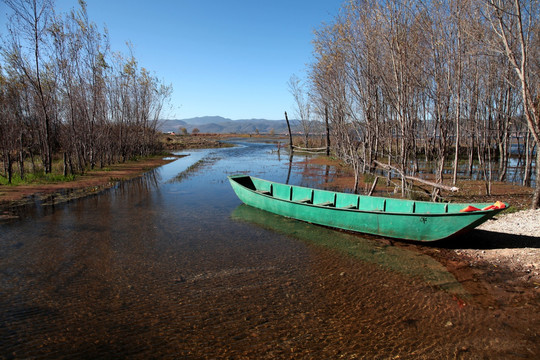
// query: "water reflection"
[[37, 206], [515, 170], [373, 251]]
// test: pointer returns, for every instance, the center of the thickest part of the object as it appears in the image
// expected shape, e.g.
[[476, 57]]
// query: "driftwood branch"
[[310, 152], [414, 178], [373, 186], [309, 149]]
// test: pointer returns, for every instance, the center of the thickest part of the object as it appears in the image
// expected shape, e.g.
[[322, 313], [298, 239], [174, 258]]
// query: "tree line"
[[444, 80], [66, 98]]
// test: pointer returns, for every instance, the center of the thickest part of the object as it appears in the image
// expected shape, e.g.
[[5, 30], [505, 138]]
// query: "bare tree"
[[516, 25], [31, 20], [403, 77], [63, 93]]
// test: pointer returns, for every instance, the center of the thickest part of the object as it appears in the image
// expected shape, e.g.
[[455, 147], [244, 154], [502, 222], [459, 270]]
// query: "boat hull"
[[401, 225]]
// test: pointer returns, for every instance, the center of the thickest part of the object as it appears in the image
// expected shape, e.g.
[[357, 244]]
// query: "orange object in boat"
[[469, 209], [497, 205]]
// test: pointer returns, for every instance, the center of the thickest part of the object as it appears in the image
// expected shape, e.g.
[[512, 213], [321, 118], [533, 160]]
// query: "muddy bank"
[[90, 183]]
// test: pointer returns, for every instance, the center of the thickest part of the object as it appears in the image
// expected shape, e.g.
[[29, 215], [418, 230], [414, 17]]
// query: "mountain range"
[[221, 125]]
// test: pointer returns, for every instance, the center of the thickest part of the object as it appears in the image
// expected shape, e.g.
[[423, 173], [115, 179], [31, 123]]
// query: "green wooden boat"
[[394, 218]]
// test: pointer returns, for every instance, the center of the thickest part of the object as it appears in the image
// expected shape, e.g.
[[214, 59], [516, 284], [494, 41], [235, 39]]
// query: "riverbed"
[[173, 265]]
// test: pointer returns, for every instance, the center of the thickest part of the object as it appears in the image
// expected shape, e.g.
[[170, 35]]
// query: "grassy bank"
[[89, 182]]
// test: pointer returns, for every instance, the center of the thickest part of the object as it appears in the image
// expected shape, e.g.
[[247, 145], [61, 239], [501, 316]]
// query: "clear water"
[[171, 265]]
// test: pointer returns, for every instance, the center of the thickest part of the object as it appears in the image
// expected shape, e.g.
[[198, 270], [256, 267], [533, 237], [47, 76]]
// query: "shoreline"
[[83, 185]]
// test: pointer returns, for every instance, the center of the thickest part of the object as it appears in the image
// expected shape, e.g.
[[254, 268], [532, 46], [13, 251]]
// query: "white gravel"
[[526, 222]]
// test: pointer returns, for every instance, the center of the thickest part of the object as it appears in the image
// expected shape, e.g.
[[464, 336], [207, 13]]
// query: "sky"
[[230, 58]]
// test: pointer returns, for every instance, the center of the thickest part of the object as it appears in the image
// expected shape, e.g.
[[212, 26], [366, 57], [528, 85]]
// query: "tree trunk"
[[529, 150], [503, 157], [65, 165], [21, 156], [290, 134], [356, 168], [327, 131], [389, 168], [536, 196], [9, 168]]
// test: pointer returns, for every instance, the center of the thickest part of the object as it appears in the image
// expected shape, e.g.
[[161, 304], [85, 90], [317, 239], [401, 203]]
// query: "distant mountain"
[[203, 120], [171, 125], [221, 125]]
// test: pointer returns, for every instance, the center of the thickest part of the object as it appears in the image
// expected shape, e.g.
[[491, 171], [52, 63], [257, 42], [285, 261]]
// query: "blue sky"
[[230, 58]]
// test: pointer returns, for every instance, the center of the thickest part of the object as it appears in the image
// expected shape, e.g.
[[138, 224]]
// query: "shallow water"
[[171, 265]]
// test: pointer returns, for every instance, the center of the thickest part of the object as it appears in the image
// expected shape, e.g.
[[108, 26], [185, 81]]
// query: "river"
[[172, 265]]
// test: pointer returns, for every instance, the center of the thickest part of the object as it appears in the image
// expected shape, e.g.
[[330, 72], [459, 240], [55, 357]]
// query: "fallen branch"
[[310, 152], [414, 178], [309, 149], [373, 186]]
